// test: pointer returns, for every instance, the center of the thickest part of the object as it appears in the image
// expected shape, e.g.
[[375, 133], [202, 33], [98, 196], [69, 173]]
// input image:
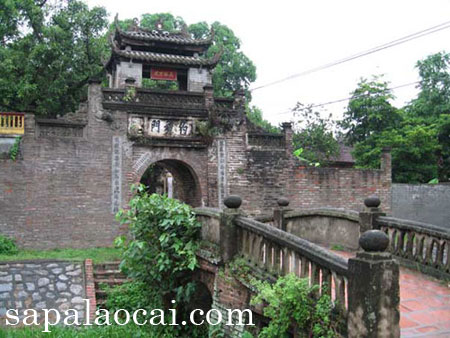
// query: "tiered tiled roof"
[[166, 58], [154, 46], [163, 36]]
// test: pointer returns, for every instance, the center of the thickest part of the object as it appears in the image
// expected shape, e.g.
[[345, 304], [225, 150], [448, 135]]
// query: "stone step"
[[102, 274], [109, 281], [107, 266]]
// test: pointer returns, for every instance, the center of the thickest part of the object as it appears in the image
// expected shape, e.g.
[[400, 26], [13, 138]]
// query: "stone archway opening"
[[175, 179]]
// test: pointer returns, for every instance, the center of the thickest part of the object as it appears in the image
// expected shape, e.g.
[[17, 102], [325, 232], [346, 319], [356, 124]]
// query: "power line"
[[349, 98], [390, 44]]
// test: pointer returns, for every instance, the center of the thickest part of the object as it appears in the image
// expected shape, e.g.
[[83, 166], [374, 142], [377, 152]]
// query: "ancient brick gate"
[[74, 173]]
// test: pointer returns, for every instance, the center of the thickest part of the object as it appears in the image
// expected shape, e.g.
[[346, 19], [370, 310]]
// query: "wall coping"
[[60, 123], [40, 261], [351, 215]]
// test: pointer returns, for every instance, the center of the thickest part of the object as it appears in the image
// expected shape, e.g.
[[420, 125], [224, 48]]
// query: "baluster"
[[263, 253], [245, 234], [339, 287], [256, 252], [326, 281], [286, 260], [428, 243], [269, 257], [304, 272], [251, 241], [440, 254], [446, 266], [315, 274], [400, 241], [391, 234], [296, 263], [419, 248], [276, 259], [409, 244]]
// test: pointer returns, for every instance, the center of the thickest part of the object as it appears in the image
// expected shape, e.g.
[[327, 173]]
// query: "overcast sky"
[[284, 38]]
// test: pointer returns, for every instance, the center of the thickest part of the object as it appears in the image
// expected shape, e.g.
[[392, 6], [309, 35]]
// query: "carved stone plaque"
[[160, 127]]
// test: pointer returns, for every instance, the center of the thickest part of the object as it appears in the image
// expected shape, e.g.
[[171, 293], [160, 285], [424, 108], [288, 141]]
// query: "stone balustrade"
[[418, 245], [365, 289], [279, 253]]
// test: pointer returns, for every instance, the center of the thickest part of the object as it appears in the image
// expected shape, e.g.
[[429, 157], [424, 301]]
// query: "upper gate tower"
[[142, 54]]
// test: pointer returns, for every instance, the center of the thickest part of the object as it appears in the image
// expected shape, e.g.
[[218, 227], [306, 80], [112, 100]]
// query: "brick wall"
[[62, 192]]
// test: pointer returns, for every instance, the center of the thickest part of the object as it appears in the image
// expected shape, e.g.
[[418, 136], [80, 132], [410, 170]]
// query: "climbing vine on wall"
[[15, 149]]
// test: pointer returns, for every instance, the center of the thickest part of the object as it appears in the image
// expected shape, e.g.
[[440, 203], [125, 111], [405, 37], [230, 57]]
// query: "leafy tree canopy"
[[48, 51], [369, 110], [419, 134], [255, 116], [313, 134]]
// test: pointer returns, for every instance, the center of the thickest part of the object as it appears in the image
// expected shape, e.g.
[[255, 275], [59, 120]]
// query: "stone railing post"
[[228, 232], [368, 218], [373, 289], [279, 212]]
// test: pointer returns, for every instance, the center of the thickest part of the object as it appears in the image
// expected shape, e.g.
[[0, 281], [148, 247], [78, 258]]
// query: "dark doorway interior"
[[175, 179]]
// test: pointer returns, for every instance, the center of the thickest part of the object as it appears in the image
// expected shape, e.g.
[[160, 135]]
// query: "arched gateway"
[[174, 178]]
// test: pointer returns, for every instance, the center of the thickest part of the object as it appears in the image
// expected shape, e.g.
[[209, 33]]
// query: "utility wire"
[[349, 98], [390, 44]]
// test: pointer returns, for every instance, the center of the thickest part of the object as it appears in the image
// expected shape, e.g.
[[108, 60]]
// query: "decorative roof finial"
[[159, 24], [134, 25]]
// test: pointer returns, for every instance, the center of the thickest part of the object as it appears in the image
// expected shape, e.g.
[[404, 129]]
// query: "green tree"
[[432, 105], [413, 152], [48, 52], [255, 115], [313, 134], [369, 111], [372, 123]]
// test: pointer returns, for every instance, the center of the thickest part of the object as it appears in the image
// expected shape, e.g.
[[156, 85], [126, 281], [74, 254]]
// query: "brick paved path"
[[424, 304]]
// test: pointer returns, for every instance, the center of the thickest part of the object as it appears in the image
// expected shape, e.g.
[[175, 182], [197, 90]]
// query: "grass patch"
[[337, 247], [98, 255], [113, 331]]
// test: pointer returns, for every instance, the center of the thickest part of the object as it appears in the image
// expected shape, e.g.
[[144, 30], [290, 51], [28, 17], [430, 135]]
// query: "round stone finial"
[[374, 241], [233, 201], [372, 202], [283, 202]]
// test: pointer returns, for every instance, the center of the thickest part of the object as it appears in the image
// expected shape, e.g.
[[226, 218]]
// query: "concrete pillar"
[[239, 101], [208, 92], [368, 218], [288, 134], [279, 212], [228, 231], [386, 161], [373, 289]]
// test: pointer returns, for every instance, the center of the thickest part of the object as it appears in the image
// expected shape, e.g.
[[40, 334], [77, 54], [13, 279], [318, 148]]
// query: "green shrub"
[[7, 246], [131, 296], [292, 301], [165, 237], [160, 253]]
